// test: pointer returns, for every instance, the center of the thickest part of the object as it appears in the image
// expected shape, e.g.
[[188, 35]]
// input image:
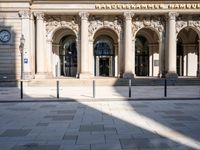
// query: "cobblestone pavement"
[[107, 125]]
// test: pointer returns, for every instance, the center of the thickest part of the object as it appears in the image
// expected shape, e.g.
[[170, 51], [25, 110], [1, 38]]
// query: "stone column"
[[172, 46], [40, 58], [128, 67], [25, 31], [84, 73]]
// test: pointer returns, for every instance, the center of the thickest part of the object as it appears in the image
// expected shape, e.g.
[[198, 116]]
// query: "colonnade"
[[129, 48]]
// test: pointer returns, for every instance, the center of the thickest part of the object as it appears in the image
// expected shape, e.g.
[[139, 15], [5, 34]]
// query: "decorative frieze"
[[98, 22], [53, 22]]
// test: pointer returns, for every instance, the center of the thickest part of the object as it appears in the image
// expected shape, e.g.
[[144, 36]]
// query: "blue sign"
[[25, 60]]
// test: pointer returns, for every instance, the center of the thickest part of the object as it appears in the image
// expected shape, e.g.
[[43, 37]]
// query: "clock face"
[[5, 36]]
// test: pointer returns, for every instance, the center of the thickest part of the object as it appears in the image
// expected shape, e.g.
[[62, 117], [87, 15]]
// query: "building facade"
[[84, 38]]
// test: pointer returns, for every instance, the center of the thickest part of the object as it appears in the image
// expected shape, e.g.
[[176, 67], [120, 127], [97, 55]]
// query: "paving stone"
[[91, 139], [60, 117], [65, 111], [91, 128], [42, 124], [105, 146], [15, 133], [70, 137], [182, 118], [34, 146], [47, 106]]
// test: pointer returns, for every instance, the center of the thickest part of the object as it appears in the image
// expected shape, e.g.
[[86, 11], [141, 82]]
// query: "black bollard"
[[129, 88], [57, 83], [165, 89], [21, 89], [93, 88]]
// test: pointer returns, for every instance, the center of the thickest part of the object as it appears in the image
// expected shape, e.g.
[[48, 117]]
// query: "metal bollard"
[[165, 89], [93, 88], [58, 92], [21, 89], [129, 88]]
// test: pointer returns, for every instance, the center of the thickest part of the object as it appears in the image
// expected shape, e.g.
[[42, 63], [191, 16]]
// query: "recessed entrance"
[[104, 66], [68, 56], [141, 57], [104, 57]]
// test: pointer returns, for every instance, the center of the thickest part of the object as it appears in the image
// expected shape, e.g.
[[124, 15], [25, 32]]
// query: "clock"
[[5, 36]]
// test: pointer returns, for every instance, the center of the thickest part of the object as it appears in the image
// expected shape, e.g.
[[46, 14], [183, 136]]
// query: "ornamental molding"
[[155, 22], [187, 21], [99, 22], [57, 22], [149, 6], [39, 15]]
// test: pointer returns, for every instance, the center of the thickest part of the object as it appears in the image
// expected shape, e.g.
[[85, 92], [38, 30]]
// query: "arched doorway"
[[68, 56], [187, 52], [146, 53], [105, 47], [104, 56]]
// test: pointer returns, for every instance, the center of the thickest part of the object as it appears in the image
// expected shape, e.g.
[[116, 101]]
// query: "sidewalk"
[[101, 92]]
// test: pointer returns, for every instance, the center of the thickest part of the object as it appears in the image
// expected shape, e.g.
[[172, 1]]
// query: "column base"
[[85, 76], [42, 75], [171, 77], [128, 75]]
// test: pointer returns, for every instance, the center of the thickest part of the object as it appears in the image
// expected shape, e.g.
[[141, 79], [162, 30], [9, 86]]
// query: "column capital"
[[172, 15], [128, 15], [24, 14], [84, 15], [39, 15]]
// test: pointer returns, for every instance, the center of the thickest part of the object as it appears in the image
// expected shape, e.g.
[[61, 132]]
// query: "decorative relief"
[[187, 21], [155, 22], [24, 14], [173, 15], [97, 22], [53, 22]]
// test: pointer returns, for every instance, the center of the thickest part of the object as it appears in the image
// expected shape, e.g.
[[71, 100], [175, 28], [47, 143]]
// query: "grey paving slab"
[[15, 133], [34, 146], [91, 139]]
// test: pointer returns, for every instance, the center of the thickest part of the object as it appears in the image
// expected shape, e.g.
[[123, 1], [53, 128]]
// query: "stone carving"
[[187, 21], [155, 22], [24, 14], [173, 15], [128, 15], [97, 22], [53, 22]]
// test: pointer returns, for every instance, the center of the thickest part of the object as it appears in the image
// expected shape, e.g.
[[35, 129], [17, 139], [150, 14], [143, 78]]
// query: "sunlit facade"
[[84, 39]]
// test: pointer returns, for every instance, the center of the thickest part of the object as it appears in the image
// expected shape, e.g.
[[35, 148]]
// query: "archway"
[[65, 57], [146, 53], [187, 52], [105, 53]]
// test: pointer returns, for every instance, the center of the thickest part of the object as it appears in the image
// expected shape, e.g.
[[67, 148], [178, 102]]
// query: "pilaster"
[[25, 31]]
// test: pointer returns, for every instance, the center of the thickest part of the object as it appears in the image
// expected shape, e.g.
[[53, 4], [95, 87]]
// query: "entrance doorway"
[[104, 66], [104, 58], [141, 57], [68, 56]]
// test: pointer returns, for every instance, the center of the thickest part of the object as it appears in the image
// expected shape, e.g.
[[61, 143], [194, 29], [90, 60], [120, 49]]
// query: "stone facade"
[[118, 39]]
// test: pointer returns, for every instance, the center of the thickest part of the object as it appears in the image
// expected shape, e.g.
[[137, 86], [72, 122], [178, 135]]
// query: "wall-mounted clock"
[[5, 36]]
